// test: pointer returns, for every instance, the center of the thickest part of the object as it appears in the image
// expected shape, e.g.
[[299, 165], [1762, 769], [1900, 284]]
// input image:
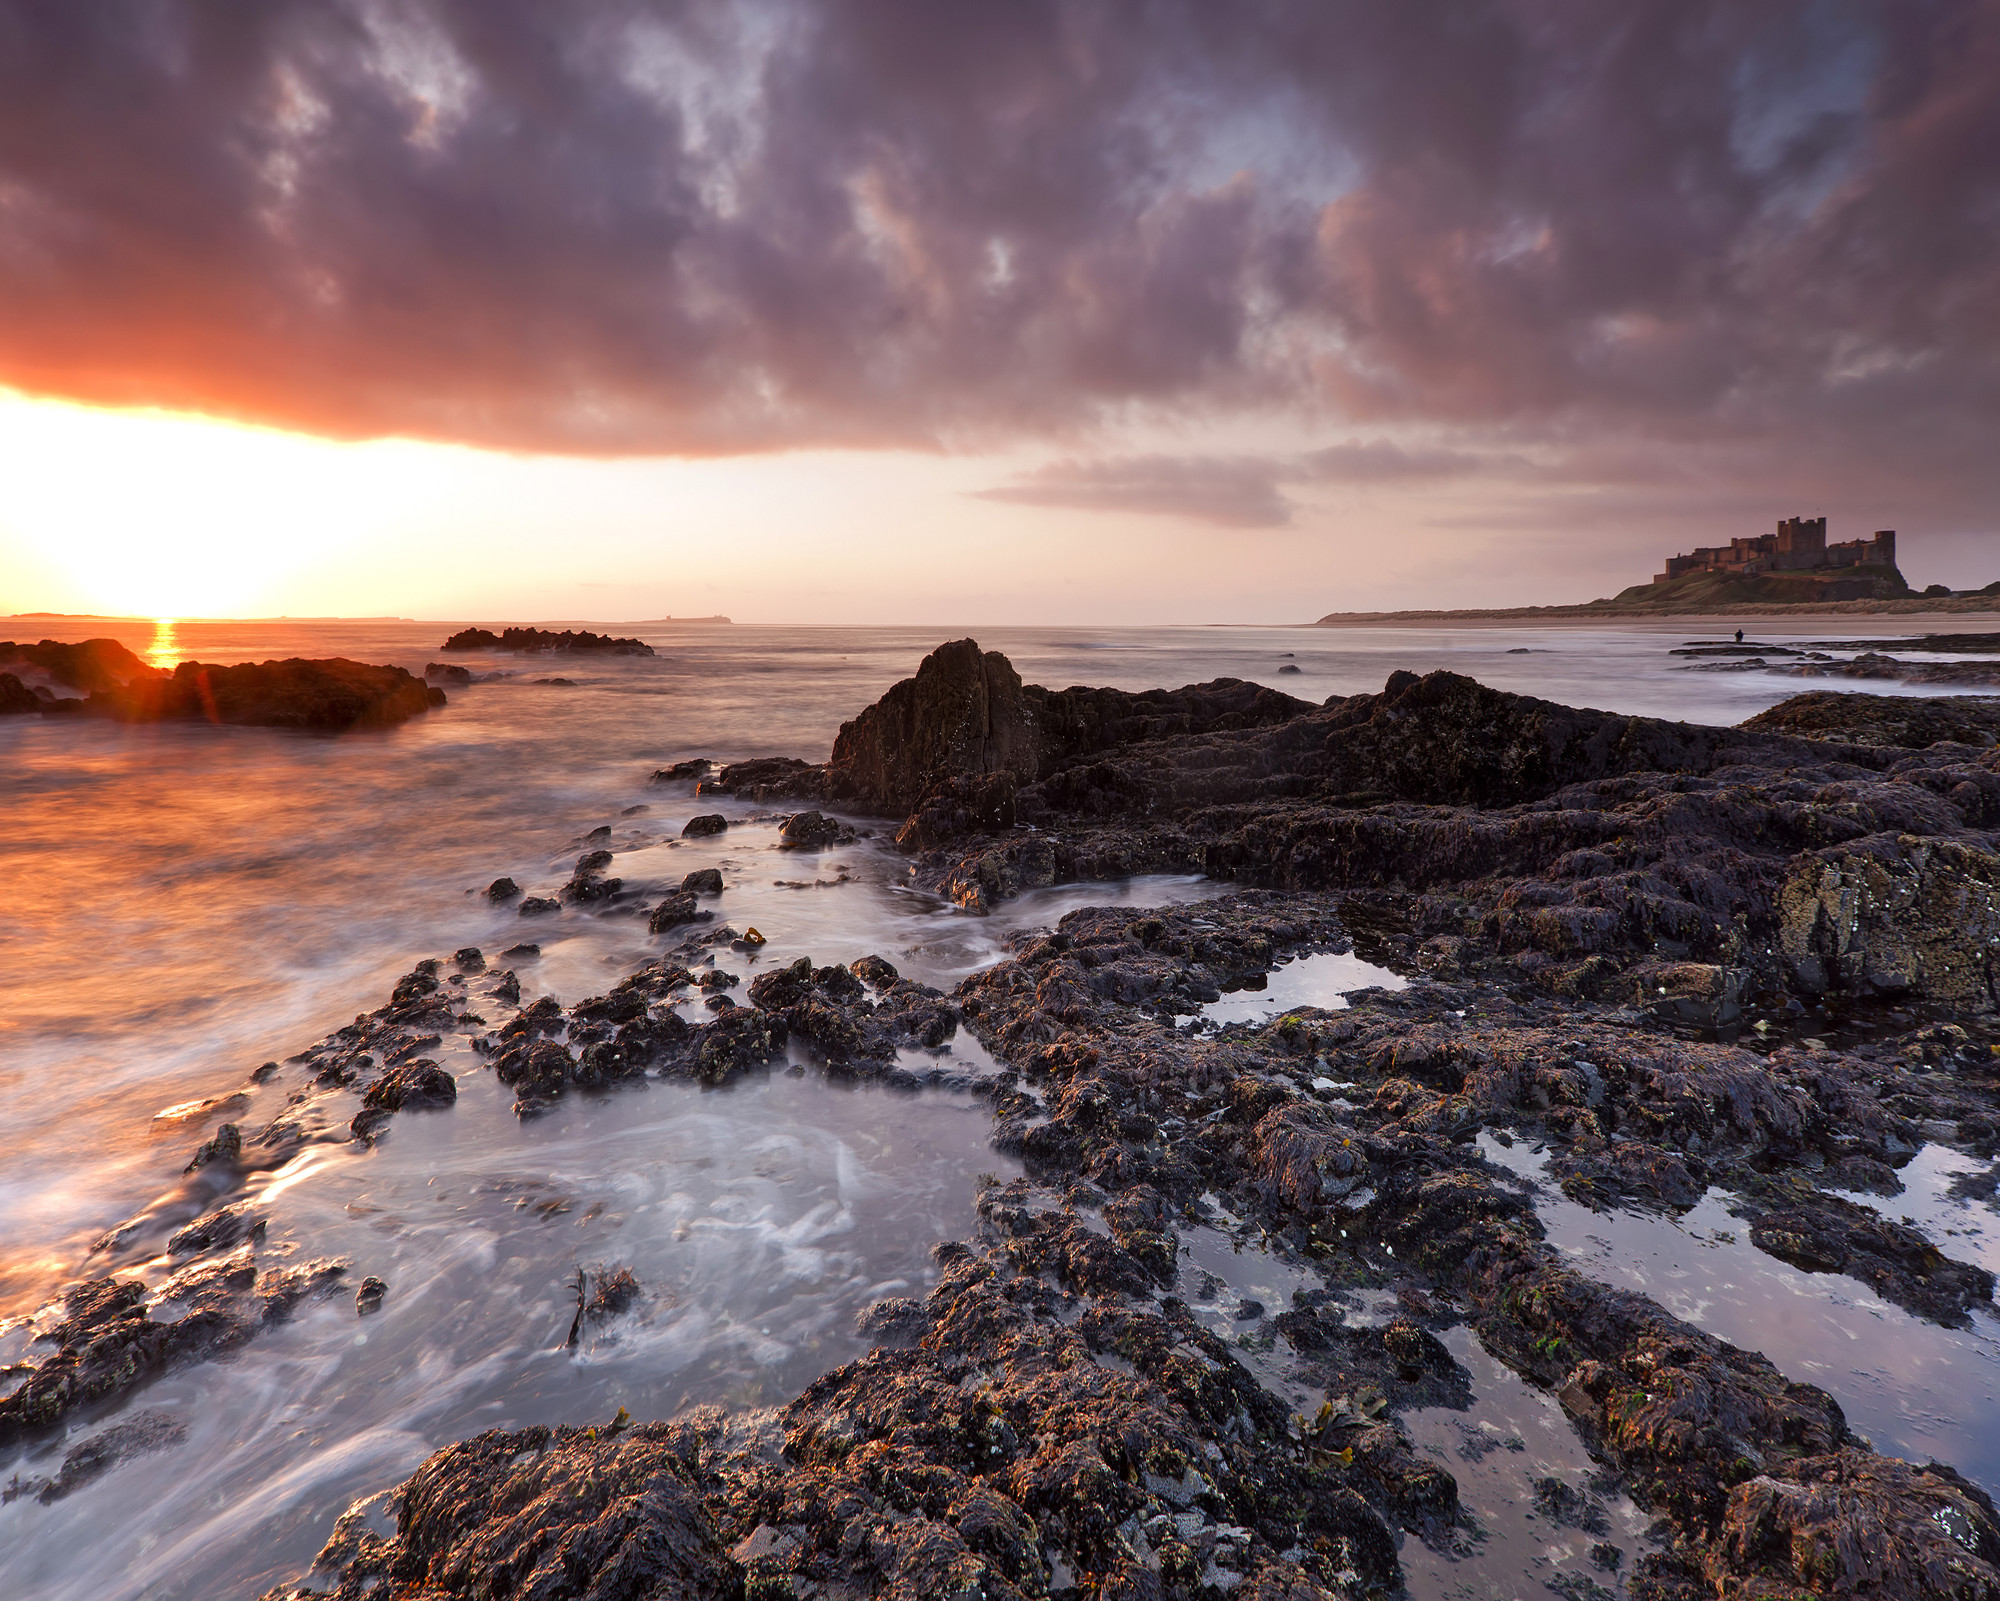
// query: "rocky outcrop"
[[543, 641], [1054, 1418], [86, 666], [1908, 722], [966, 731], [331, 696], [963, 714], [16, 699]]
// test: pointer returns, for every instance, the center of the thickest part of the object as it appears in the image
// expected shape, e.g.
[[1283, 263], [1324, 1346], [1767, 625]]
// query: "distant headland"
[[1793, 570]]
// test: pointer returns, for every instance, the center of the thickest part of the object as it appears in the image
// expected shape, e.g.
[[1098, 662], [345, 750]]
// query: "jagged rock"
[[706, 824], [447, 673], [703, 881]]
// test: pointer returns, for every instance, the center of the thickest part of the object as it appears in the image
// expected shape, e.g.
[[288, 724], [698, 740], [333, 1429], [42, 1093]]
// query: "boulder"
[[704, 825], [811, 831], [447, 673], [16, 699]]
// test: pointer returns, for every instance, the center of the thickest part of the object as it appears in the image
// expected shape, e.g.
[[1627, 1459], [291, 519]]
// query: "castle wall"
[[1799, 545]]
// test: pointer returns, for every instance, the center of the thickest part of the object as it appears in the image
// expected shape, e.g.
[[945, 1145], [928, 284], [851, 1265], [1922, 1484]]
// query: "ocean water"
[[182, 904]]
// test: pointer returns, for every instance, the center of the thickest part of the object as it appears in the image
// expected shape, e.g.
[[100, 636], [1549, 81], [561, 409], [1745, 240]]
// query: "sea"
[[179, 904]]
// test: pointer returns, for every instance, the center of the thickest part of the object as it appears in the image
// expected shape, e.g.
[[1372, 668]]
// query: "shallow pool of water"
[[1913, 1389], [1324, 979], [758, 1221]]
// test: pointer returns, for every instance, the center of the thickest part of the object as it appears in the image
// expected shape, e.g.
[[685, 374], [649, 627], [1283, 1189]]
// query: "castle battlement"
[[1799, 546]]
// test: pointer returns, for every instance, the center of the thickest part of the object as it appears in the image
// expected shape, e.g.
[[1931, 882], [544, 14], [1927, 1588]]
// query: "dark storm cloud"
[[625, 226]]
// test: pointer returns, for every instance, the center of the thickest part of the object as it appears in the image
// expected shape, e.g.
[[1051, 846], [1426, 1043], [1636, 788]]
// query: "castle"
[[1799, 545]]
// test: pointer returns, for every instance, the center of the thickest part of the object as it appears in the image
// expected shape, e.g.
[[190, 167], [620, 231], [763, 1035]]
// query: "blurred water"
[[182, 903]]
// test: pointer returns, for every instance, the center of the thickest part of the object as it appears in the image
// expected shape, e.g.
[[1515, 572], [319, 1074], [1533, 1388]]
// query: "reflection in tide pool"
[[1324, 980], [758, 1221], [1511, 1437], [1911, 1388]]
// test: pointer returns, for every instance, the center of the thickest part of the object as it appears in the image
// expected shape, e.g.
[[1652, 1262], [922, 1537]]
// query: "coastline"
[[1500, 617], [1110, 1382]]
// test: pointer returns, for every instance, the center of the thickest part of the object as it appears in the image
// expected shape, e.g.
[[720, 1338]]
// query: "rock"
[[811, 831], [963, 714], [447, 673], [1900, 917], [966, 716], [225, 1145], [502, 889], [411, 1085], [542, 641], [1291, 668], [686, 771], [140, 1436], [676, 908], [469, 959], [329, 696], [16, 699], [587, 884], [539, 906], [1906, 722], [703, 881], [368, 1298], [1852, 1523], [706, 824], [520, 953], [226, 1226], [875, 971], [88, 666]]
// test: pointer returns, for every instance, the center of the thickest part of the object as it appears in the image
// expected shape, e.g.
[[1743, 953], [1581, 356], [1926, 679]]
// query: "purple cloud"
[[620, 226]]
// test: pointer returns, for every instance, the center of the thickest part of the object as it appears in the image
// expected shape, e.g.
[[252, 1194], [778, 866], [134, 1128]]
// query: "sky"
[[1021, 311]]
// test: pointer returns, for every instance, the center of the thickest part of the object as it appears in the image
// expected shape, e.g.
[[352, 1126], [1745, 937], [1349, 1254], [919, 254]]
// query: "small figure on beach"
[[1739, 636]]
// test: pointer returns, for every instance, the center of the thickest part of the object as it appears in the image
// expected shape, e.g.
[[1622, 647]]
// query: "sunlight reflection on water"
[[164, 652]]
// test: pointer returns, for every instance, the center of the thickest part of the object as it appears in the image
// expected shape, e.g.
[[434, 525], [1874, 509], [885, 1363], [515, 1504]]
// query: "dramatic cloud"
[[620, 226]]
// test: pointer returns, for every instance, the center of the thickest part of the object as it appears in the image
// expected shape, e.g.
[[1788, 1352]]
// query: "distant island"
[[1793, 570], [542, 641]]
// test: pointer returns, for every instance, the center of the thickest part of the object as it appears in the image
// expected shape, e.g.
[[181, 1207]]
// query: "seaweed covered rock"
[[1907, 722], [1898, 916]]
